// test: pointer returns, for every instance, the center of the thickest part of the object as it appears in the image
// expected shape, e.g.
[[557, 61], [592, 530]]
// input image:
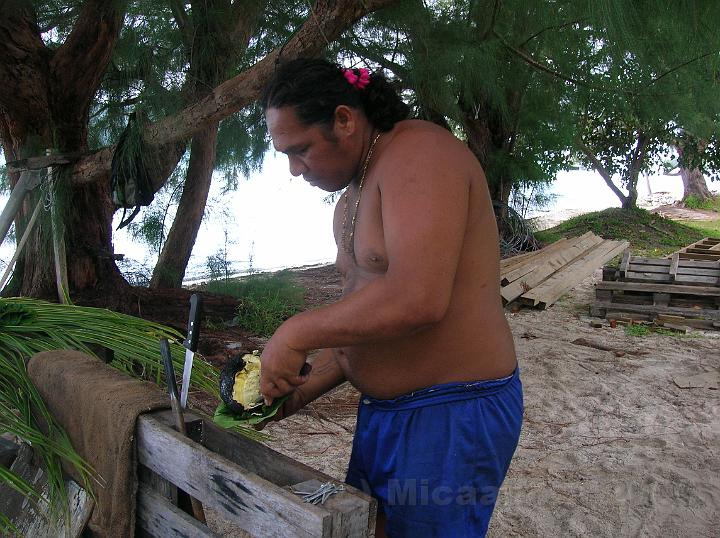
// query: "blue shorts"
[[435, 458]]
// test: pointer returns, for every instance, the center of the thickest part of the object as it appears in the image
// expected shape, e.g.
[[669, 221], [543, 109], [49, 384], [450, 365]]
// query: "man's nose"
[[297, 167]]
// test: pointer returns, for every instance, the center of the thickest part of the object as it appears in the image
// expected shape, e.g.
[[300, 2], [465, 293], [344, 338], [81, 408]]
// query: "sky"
[[275, 221]]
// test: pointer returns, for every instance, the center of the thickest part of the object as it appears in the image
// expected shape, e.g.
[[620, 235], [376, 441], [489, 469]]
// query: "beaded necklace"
[[348, 235]]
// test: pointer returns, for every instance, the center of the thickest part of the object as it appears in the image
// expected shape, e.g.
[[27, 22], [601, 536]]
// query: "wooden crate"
[[674, 270], [705, 249], [242, 480], [644, 293]]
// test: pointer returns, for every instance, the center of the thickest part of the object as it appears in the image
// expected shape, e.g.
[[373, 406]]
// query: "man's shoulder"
[[424, 140]]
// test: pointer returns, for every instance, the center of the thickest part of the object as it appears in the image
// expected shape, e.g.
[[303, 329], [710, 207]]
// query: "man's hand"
[[292, 405], [283, 368]]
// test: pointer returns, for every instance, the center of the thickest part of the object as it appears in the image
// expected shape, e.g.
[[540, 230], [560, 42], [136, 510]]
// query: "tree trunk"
[[45, 101], [172, 262], [228, 37], [694, 184]]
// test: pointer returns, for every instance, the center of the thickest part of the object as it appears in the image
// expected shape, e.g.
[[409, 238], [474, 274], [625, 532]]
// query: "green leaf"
[[227, 419]]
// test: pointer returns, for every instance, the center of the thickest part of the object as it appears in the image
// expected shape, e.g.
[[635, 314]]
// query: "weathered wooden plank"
[[692, 256], [25, 516], [689, 280], [244, 498], [509, 263], [644, 268], [713, 315], [347, 514], [256, 457], [357, 509], [674, 262], [661, 288], [680, 271], [663, 262], [551, 265], [563, 280], [157, 517], [625, 263], [694, 323], [517, 273]]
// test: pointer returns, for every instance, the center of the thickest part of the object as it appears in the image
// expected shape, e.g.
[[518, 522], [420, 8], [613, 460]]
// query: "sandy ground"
[[611, 446]]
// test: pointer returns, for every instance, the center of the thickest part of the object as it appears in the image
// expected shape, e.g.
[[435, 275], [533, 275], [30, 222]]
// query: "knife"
[[190, 345], [197, 507]]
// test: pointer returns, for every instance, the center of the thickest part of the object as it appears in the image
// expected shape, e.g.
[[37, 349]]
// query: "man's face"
[[313, 150]]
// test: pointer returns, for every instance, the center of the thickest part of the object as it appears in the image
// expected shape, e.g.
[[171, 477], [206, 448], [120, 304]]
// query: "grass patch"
[[644, 330], [707, 228], [265, 300], [649, 234], [711, 204]]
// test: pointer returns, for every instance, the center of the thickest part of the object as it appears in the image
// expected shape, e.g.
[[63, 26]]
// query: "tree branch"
[[534, 63], [331, 18], [599, 168], [183, 22], [666, 73]]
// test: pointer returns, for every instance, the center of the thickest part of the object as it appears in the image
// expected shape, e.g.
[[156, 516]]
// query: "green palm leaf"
[[29, 326]]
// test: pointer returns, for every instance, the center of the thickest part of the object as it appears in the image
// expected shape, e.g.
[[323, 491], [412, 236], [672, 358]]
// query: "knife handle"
[[193, 331], [169, 369]]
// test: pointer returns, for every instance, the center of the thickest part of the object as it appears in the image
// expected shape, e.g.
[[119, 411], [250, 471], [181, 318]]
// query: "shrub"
[[265, 300]]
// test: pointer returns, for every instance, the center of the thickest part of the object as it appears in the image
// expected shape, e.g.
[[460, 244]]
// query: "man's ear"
[[345, 123]]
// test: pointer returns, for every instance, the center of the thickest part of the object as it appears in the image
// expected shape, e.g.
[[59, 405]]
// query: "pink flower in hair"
[[359, 81]]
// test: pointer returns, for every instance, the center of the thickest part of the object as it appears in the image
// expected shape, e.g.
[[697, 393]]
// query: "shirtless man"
[[420, 328]]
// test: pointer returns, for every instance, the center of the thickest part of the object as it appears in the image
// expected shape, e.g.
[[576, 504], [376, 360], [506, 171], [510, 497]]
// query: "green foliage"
[[706, 228], [265, 300], [647, 232], [635, 329], [29, 326], [711, 204], [640, 330]]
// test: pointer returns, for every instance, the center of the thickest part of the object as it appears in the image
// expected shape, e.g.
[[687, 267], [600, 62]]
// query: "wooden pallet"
[[705, 249], [684, 290], [645, 293], [242, 480], [674, 270]]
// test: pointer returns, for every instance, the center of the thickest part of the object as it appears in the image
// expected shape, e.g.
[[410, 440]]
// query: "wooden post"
[[27, 182], [21, 244], [61, 278]]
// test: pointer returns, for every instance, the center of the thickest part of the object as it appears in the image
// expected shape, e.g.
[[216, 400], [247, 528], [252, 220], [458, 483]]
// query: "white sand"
[[610, 445]]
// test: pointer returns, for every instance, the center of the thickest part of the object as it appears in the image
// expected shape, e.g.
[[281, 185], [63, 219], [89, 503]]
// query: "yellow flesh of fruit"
[[246, 390]]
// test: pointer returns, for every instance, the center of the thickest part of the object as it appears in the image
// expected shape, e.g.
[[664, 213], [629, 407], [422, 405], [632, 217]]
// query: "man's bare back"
[[472, 341]]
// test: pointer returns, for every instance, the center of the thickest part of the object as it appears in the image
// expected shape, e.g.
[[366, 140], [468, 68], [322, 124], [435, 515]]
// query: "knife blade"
[[196, 506], [190, 344]]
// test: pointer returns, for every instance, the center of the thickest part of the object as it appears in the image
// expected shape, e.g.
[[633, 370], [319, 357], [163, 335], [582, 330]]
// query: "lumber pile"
[[705, 249], [540, 278], [673, 291]]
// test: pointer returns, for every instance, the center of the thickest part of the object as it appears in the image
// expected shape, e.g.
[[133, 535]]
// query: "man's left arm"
[[424, 215]]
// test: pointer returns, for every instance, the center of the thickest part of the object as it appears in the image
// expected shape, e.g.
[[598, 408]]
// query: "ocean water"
[[273, 221]]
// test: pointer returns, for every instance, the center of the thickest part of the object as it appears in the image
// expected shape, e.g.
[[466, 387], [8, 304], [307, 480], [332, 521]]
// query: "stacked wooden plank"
[[705, 249], [674, 290], [540, 278]]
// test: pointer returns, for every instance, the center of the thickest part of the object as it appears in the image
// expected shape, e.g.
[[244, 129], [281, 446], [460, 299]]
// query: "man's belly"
[[429, 357]]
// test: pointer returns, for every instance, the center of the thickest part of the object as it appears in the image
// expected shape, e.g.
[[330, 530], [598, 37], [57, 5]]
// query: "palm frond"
[[30, 326]]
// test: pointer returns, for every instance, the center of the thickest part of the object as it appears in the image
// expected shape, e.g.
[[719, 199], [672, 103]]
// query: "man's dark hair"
[[315, 88]]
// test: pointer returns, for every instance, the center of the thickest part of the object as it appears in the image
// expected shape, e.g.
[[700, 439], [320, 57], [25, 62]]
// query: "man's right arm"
[[325, 375]]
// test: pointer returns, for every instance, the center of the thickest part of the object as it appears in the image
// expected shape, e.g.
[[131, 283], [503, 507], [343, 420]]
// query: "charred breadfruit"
[[240, 383]]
